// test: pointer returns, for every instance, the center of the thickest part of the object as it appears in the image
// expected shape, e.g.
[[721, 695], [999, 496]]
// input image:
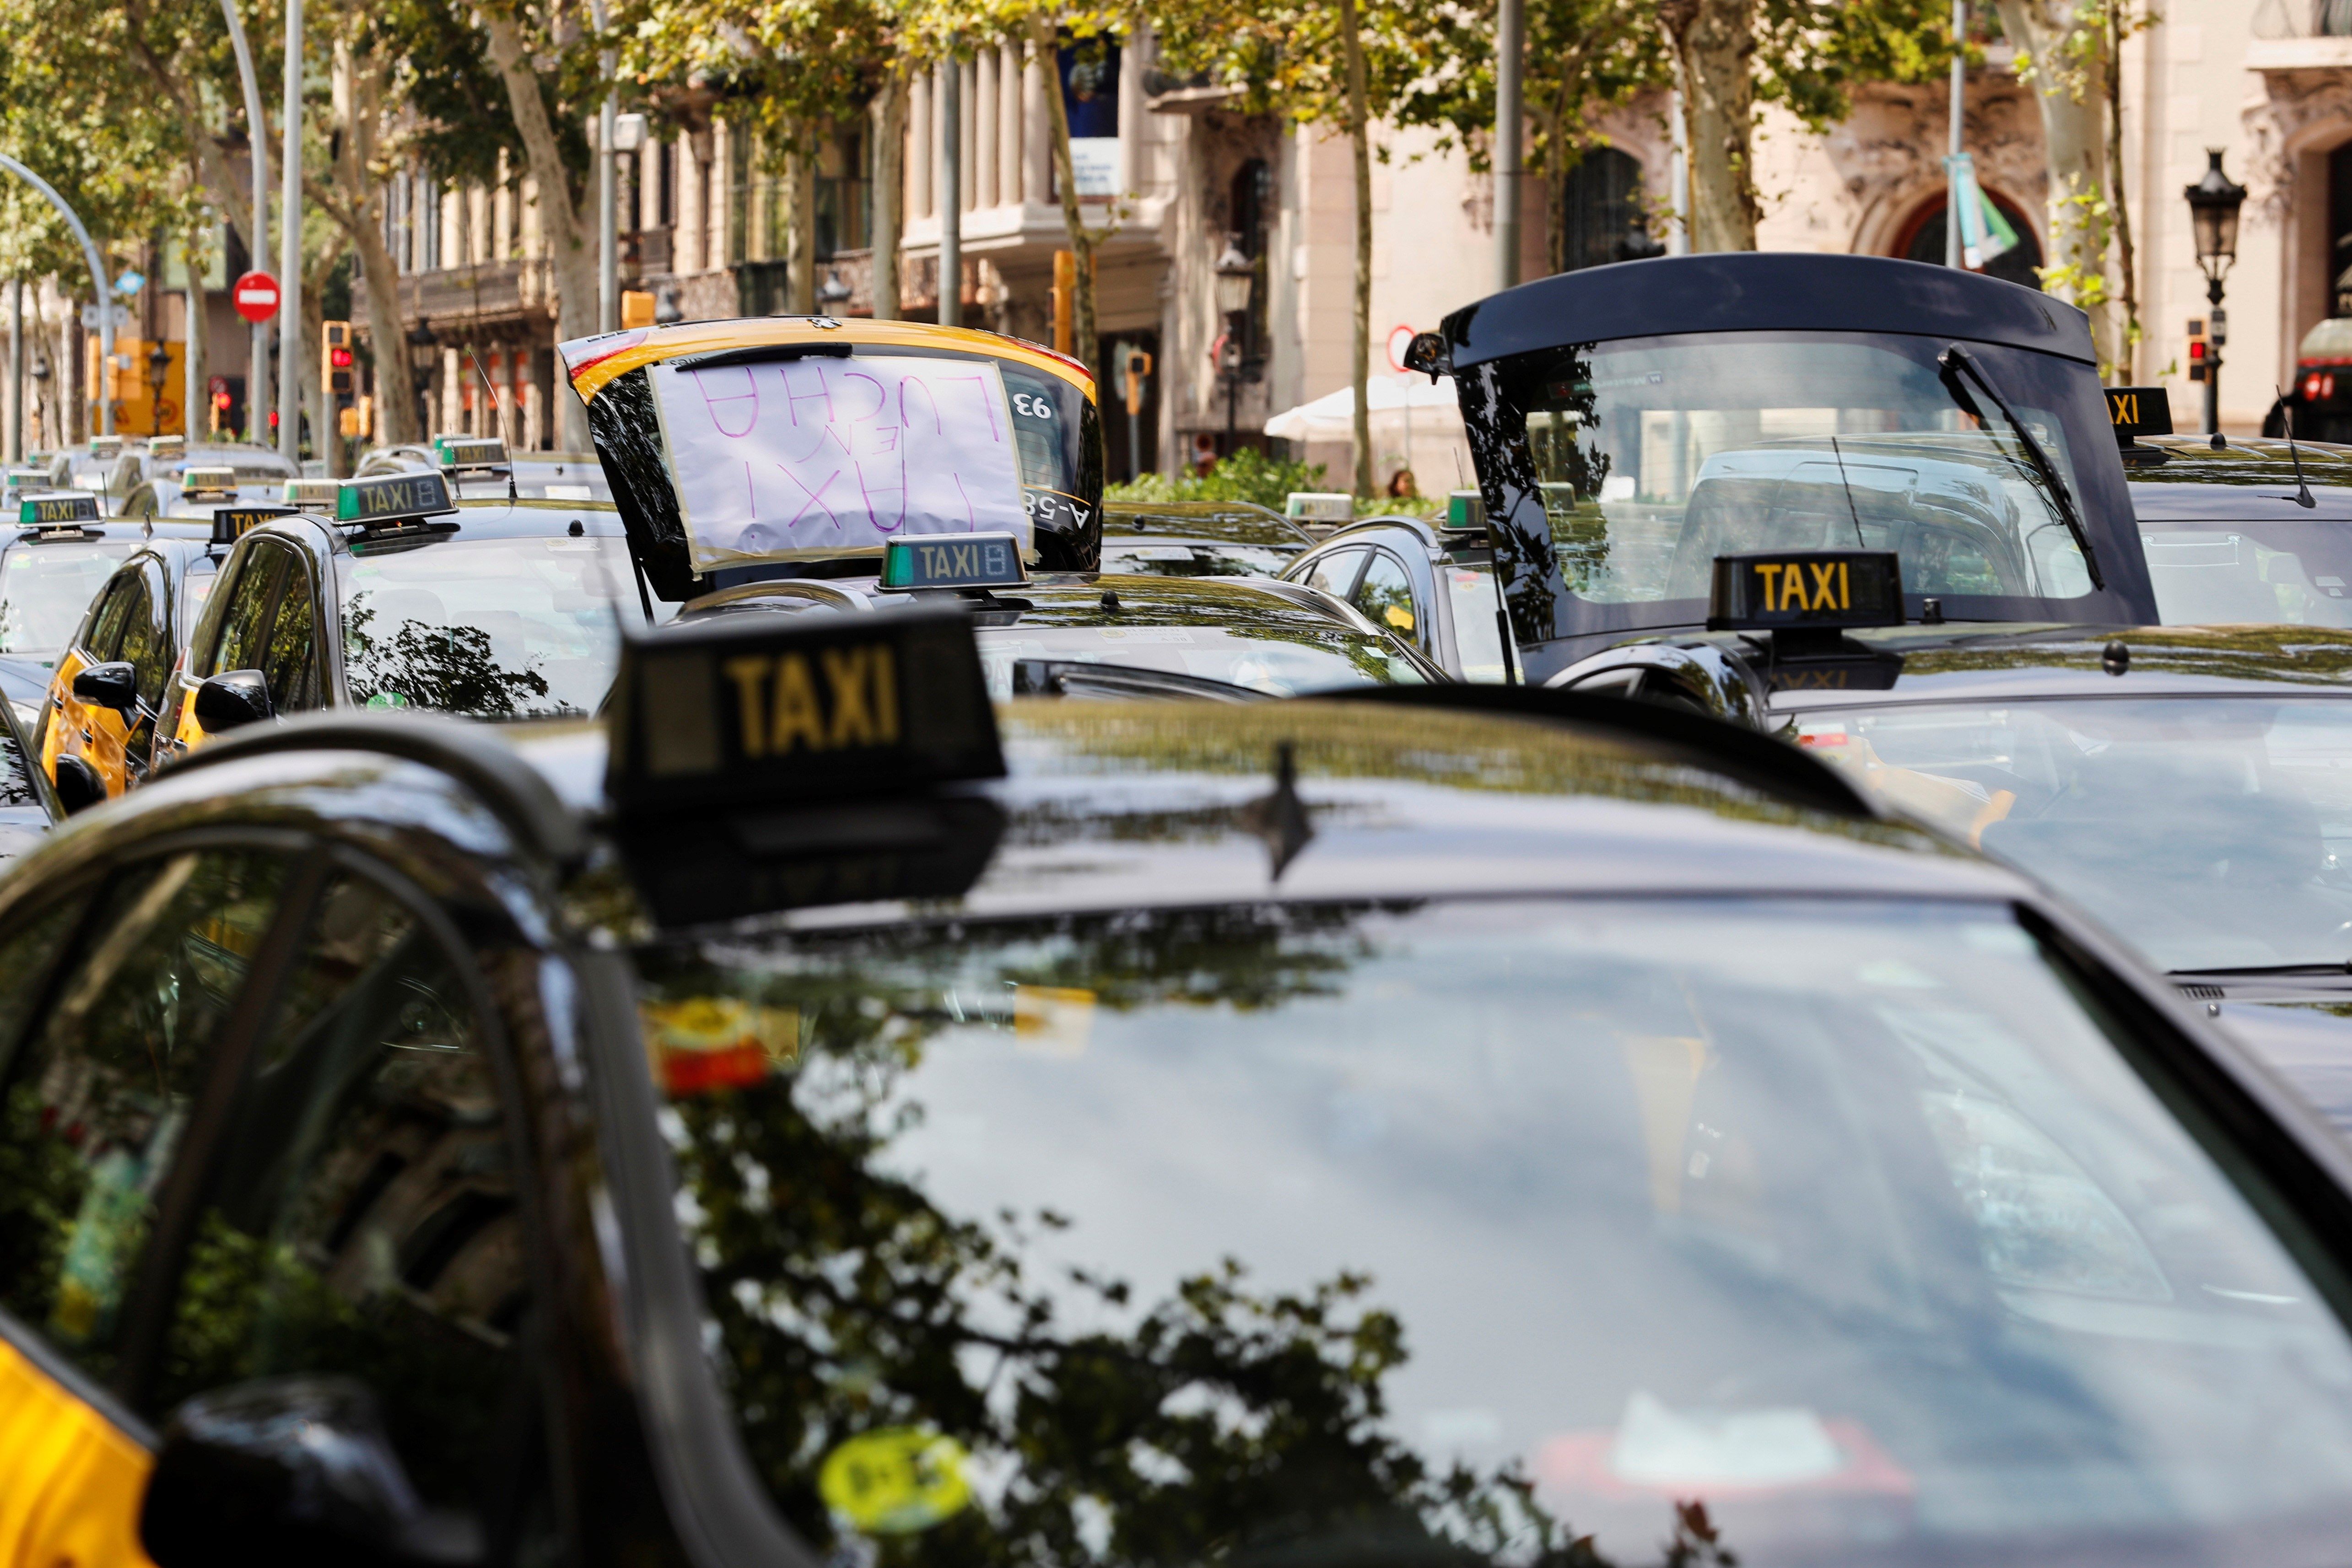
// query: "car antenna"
[[504, 434], [2301, 497], [1847, 485]]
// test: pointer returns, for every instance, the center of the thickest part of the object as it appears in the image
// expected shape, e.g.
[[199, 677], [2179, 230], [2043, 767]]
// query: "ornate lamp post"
[[2213, 203], [1237, 277], [159, 370]]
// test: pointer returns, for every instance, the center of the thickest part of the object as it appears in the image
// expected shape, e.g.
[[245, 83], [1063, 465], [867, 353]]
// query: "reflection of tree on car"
[[449, 669]]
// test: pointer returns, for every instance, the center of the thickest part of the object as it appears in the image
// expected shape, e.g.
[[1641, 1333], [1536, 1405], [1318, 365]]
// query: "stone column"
[[988, 110], [1015, 134], [970, 97], [1037, 166], [921, 155]]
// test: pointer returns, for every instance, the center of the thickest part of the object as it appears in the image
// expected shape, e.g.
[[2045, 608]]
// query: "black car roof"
[[1208, 522], [2187, 478], [1782, 291]]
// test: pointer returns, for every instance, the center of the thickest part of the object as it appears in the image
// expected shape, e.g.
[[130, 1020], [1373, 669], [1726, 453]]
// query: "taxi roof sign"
[[220, 481], [166, 447], [2135, 411], [1806, 589], [763, 710], [464, 452], [969, 560], [313, 495], [105, 447], [392, 499], [57, 509], [231, 524]]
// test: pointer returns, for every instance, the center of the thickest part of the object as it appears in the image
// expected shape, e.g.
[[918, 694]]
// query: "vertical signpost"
[[98, 289], [257, 127], [289, 246]]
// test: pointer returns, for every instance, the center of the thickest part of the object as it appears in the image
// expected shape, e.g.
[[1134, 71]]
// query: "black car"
[[1432, 587], [479, 467], [1198, 538], [2250, 529], [1632, 422], [821, 1119], [48, 575]]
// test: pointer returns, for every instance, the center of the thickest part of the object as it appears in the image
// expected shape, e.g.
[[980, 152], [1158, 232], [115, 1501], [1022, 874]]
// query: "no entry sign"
[[256, 297]]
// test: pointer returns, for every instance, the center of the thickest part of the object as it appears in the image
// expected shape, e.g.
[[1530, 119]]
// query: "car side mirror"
[[114, 685], [232, 700], [287, 1472], [1429, 353], [78, 785]]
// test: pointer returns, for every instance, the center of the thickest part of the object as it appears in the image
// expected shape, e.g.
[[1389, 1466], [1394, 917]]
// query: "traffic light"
[[335, 358], [2199, 351], [1135, 368]]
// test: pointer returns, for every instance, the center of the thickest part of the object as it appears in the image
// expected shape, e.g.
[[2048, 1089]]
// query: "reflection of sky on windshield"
[[44, 588], [1662, 1186]]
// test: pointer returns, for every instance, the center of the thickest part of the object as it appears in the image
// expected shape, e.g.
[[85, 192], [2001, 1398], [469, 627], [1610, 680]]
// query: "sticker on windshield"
[[815, 456]]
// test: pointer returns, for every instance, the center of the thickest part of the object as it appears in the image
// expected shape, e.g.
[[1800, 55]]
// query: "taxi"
[[482, 465], [816, 1115], [184, 481], [61, 552], [1106, 634], [1433, 585], [386, 592], [1630, 423], [1198, 538]]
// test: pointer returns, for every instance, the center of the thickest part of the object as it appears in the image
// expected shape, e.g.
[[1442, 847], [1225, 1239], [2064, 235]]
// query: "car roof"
[[1206, 522], [2187, 478], [594, 362], [1076, 599], [472, 520]]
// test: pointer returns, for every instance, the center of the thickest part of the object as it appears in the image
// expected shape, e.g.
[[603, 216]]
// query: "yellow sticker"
[[1398, 616], [713, 1042], [1055, 1019], [896, 1481]]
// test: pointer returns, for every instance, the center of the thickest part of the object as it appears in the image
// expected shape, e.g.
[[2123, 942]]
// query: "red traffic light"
[[2197, 348], [220, 400], [339, 358]]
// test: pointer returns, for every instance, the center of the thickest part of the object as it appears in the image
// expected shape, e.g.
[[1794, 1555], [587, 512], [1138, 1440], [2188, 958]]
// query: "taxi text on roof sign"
[[468, 451], [313, 495], [393, 497], [2140, 411], [1793, 589], [231, 524], [60, 509], [821, 706], [207, 481], [977, 561]]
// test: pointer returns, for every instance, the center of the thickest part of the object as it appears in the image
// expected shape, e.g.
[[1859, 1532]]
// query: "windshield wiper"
[[2258, 969], [2301, 497], [1950, 365], [1076, 677]]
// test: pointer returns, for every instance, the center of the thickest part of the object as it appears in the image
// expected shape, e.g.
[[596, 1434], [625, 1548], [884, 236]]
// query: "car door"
[[70, 731], [126, 992], [120, 741], [235, 635]]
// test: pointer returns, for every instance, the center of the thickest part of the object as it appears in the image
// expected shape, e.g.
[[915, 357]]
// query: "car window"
[[289, 659], [1477, 632], [363, 1218], [245, 619], [141, 641], [1385, 596], [1335, 573], [97, 1098], [45, 586], [105, 633]]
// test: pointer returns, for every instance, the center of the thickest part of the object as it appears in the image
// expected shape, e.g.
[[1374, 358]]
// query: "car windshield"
[[44, 586], [1198, 560], [1652, 455], [1469, 587], [2283, 572], [1457, 1233], [1297, 660], [498, 628], [2209, 832]]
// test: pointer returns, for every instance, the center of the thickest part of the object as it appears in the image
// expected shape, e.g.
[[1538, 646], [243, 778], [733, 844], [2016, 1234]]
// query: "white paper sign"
[[816, 456]]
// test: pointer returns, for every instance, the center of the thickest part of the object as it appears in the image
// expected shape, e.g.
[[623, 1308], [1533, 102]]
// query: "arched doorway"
[[1600, 217], [1923, 240]]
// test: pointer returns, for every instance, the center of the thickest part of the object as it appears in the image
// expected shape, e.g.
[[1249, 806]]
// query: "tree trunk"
[[567, 224], [1047, 43], [800, 219], [887, 116], [2127, 263], [2070, 86], [1714, 41], [194, 395], [1360, 141], [359, 105]]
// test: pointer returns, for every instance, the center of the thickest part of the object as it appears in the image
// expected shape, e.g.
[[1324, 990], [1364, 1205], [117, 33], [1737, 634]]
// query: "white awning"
[[1394, 400]]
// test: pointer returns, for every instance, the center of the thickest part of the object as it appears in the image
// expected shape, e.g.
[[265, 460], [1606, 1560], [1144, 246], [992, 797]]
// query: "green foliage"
[[1248, 474]]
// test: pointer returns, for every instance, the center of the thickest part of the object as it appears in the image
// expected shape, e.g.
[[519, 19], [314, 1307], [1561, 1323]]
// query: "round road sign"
[[256, 297]]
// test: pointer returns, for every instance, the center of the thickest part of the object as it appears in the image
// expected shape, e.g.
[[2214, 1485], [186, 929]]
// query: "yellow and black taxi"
[[817, 1117], [61, 551], [482, 465], [2190, 786], [1431, 583], [98, 729], [385, 593], [798, 463], [1632, 422], [1198, 538]]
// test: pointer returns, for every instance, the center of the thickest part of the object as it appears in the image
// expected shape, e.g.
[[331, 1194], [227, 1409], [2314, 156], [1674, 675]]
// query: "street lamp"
[[1236, 277], [2213, 203], [159, 370]]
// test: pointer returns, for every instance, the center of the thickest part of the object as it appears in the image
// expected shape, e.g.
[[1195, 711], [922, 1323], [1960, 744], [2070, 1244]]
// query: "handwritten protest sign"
[[816, 456]]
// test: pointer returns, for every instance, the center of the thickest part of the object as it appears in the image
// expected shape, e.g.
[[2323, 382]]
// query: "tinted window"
[[245, 618], [46, 588], [99, 1096], [363, 1218], [108, 618], [143, 642], [1335, 573], [1385, 596], [290, 660]]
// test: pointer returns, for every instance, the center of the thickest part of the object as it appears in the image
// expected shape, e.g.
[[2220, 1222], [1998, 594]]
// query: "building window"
[[844, 195], [1601, 217], [1924, 241], [1251, 206]]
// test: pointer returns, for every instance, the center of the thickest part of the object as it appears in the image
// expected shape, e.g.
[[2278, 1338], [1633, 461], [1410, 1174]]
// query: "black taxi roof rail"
[[473, 754], [1746, 756], [1764, 291]]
